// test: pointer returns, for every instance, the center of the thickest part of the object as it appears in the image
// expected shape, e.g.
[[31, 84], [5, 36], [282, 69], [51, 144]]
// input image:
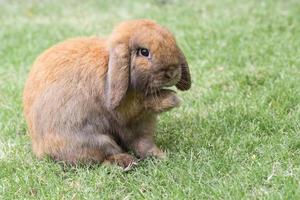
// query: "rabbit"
[[91, 99]]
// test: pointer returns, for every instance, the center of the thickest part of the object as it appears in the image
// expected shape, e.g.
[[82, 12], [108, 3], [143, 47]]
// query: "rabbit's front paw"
[[171, 101], [157, 153], [168, 100]]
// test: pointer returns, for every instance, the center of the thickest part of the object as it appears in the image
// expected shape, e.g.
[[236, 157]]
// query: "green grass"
[[237, 133]]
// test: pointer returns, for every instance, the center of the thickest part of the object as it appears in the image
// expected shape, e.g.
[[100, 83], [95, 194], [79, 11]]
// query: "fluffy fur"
[[92, 99]]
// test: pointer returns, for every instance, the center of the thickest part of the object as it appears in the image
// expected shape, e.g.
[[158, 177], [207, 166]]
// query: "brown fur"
[[91, 99]]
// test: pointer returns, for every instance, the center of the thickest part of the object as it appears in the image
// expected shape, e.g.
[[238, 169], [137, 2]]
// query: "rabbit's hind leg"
[[87, 149], [124, 160]]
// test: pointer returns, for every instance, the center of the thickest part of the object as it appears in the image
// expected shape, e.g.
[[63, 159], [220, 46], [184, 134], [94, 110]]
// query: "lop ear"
[[185, 80], [117, 79]]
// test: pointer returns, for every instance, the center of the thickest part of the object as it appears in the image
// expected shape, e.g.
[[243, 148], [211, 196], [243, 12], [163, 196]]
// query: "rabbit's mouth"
[[157, 90], [157, 86]]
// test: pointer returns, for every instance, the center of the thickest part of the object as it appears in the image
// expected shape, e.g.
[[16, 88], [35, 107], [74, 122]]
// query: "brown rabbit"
[[92, 99]]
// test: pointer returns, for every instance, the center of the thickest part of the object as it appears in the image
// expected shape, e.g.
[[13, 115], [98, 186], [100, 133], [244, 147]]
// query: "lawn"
[[237, 133]]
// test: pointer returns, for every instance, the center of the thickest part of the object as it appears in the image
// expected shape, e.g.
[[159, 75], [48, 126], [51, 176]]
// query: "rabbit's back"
[[65, 74]]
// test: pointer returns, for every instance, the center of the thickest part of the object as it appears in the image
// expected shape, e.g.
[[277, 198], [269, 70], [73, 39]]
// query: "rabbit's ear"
[[117, 76], [185, 80]]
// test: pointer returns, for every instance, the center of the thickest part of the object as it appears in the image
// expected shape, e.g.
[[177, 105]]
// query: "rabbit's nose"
[[170, 74]]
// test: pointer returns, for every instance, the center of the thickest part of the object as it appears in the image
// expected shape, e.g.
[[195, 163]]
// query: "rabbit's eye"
[[143, 52]]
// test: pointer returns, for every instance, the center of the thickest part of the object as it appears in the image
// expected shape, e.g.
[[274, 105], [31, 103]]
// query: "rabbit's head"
[[144, 57]]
